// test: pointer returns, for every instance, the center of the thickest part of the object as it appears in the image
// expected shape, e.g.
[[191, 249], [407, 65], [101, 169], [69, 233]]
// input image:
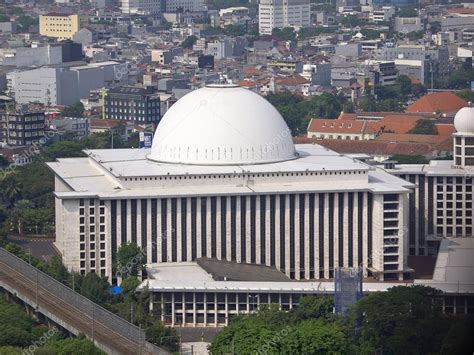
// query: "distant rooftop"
[[222, 270]]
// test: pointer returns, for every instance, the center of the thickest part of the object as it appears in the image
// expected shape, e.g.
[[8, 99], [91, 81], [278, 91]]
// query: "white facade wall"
[[305, 235], [283, 13]]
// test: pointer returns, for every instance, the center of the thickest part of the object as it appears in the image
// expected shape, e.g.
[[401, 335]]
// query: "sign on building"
[[145, 139]]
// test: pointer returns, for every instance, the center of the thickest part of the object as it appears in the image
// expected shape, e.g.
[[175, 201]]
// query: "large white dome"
[[222, 125], [464, 120]]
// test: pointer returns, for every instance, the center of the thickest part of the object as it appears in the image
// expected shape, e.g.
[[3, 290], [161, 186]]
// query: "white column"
[[345, 228], [208, 227], [248, 257], [198, 228], [257, 230], [169, 231], [355, 231], [416, 196], [287, 235], [139, 223], [159, 231], [365, 239], [119, 224], [189, 235], [268, 233], [238, 230], [316, 235], [179, 231], [326, 236], [277, 233], [297, 248], [336, 231], [307, 242], [129, 220], [228, 232], [149, 241], [218, 228]]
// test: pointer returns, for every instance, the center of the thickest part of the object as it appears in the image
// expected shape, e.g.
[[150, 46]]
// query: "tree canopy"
[[424, 127], [75, 110], [189, 42], [297, 111], [402, 320]]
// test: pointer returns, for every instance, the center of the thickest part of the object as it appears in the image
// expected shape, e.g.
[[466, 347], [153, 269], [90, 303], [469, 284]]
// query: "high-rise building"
[[283, 13], [60, 26], [130, 103], [143, 7], [21, 128]]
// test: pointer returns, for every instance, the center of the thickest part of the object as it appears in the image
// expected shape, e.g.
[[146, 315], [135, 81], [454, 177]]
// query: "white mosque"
[[224, 180]]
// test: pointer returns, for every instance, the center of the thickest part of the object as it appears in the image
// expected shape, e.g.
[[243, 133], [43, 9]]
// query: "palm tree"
[[11, 189]]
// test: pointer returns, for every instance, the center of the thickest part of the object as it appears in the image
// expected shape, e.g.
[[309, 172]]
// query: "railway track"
[[81, 320]]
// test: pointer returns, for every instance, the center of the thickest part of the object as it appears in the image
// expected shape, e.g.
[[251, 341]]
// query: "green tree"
[[162, 336], [189, 42], [419, 90], [57, 270], [15, 325], [25, 22], [459, 338], [71, 346], [314, 336], [286, 33], [10, 188], [130, 260], [313, 307], [467, 95], [63, 149], [405, 85], [403, 320], [75, 110], [95, 288], [409, 11], [424, 127], [129, 286]]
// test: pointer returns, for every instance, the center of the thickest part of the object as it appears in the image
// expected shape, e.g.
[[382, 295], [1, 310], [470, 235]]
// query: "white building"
[[442, 203], [63, 84], [142, 7], [186, 5], [283, 13], [384, 14], [224, 180]]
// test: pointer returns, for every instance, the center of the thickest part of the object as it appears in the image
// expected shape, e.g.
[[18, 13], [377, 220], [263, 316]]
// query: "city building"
[[21, 128], [184, 5], [384, 14], [224, 180], [142, 7], [75, 127], [197, 294], [442, 203], [408, 24], [420, 62], [131, 103], [63, 84], [22, 57], [59, 26], [283, 13]]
